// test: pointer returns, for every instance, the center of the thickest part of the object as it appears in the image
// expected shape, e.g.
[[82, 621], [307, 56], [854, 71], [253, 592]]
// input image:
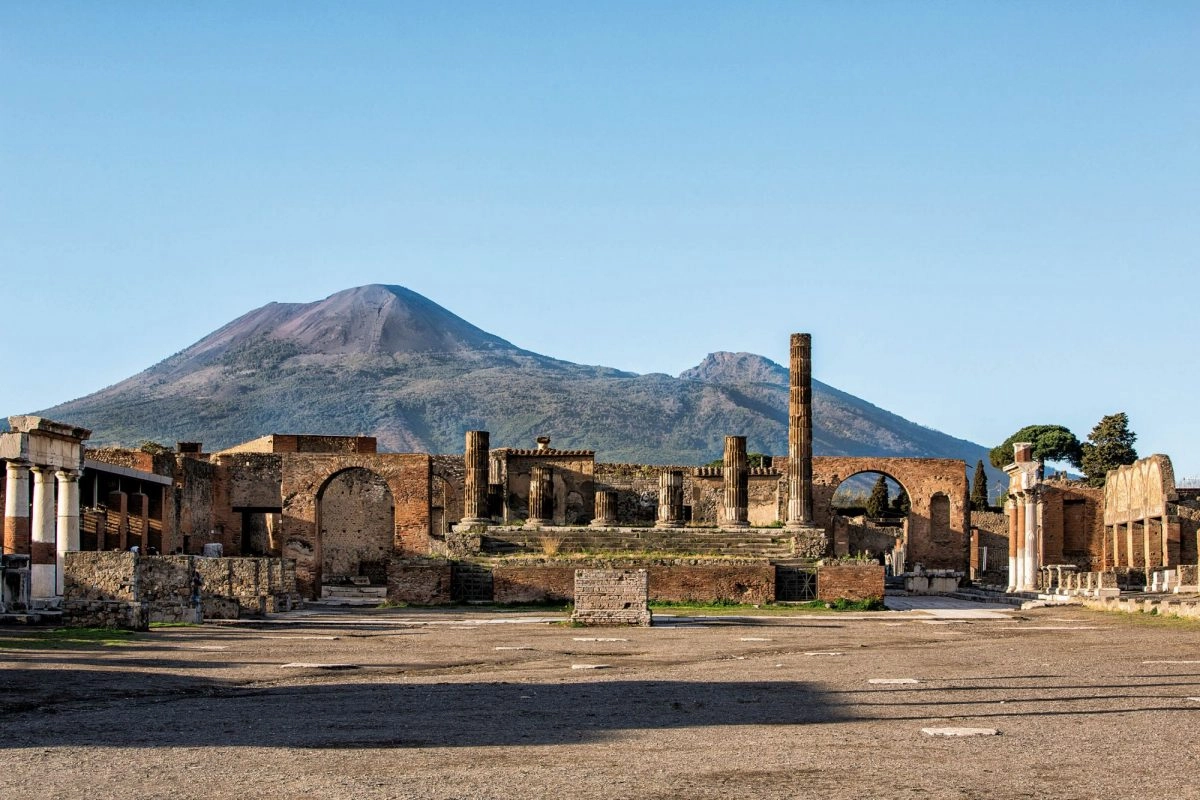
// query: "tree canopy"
[[979, 490], [1108, 446], [1050, 443], [877, 503]]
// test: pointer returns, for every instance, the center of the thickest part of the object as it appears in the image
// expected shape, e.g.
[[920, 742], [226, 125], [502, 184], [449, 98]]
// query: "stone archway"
[[356, 524], [939, 519], [851, 535]]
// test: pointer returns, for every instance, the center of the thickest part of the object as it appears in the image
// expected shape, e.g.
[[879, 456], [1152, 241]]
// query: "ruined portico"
[[46, 457]]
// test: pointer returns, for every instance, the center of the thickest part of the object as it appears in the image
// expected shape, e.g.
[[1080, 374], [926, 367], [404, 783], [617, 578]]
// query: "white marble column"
[[1030, 569], [68, 518], [42, 522], [1014, 532]]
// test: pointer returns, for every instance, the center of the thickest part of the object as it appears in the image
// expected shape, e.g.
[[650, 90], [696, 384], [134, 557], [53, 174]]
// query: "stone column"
[[541, 495], [475, 479], [670, 499], [606, 509], [737, 484], [16, 508], [1014, 535], [42, 562], [800, 503], [68, 517], [1153, 546], [1030, 570]]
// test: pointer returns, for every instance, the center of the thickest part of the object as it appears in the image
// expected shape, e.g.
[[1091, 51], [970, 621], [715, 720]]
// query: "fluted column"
[[68, 517], [670, 499], [1014, 532], [42, 521], [1030, 570], [606, 509], [475, 479], [541, 495], [16, 508], [799, 511], [737, 481]]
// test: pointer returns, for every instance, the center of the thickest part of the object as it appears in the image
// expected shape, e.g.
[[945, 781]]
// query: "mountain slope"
[[385, 361]]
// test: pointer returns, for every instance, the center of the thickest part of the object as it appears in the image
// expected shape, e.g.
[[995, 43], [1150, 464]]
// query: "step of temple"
[[341, 591]]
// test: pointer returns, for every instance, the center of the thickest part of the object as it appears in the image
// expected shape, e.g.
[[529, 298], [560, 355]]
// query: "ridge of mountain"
[[388, 362]]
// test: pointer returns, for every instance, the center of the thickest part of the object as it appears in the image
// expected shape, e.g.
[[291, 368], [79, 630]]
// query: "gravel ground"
[[423, 704]]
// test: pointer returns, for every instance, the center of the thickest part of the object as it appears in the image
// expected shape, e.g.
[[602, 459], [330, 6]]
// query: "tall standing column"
[[670, 499], [541, 493], [606, 509], [799, 510], [475, 479], [41, 550], [1013, 535], [1030, 570], [68, 517], [737, 483], [16, 508]]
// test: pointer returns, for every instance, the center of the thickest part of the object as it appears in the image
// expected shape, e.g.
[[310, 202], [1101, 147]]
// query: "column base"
[[601, 523], [672, 523], [471, 526], [43, 581]]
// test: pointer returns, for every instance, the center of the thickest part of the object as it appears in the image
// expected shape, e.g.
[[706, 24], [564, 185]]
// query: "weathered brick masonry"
[[850, 581], [611, 597]]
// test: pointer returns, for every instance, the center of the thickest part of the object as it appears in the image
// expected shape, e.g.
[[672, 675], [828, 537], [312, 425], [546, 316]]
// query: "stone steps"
[[741, 543]]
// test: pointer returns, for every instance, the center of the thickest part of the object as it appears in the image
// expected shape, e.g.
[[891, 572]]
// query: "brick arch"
[[303, 478], [922, 479], [356, 522]]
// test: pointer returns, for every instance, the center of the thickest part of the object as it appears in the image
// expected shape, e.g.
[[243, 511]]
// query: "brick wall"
[[611, 597], [419, 582], [669, 582], [849, 581]]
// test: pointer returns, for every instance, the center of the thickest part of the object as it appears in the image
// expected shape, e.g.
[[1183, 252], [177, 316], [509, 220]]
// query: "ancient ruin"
[[512, 524]]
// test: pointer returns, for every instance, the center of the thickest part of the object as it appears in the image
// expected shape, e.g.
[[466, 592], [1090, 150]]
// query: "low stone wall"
[[850, 582], [1162, 606], [116, 589], [669, 582], [420, 582], [611, 597]]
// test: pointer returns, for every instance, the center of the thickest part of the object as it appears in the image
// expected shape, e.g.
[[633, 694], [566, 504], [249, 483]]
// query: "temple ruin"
[[512, 523]]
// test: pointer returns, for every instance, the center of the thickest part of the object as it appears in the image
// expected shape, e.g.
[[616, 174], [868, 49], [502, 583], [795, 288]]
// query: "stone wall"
[[703, 492], [572, 480], [611, 597], [446, 494], [141, 589], [850, 581], [423, 582], [682, 581]]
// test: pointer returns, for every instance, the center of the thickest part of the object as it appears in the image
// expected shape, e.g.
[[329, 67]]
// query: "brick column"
[[1153, 545], [670, 499], [475, 479], [606, 509], [16, 508], [799, 475], [541, 495], [737, 483], [68, 517], [42, 520]]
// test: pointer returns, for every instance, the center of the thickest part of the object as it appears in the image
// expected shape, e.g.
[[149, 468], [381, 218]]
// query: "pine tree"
[[901, 505], [979, 492], [1108, 446], [877, 503]]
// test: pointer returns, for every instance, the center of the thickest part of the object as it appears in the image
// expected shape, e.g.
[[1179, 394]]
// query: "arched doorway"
[[869, 517], [356, 520]]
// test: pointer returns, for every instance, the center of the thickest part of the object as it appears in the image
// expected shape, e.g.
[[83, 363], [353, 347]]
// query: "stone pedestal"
[[737, 482], [606, 510], [670, 499]]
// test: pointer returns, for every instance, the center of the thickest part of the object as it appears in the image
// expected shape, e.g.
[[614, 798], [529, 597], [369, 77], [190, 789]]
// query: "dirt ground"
[[424, 704]]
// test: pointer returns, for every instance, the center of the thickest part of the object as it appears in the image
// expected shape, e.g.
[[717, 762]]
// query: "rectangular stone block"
[[612, 597]]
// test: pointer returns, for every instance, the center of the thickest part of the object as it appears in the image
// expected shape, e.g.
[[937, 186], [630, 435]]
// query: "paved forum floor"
[[404, 703]]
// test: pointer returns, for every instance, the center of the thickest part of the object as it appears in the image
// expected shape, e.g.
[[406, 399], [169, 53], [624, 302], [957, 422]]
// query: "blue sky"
[[986, 213]]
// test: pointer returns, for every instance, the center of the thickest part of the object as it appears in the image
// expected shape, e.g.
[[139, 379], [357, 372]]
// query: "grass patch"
[[68, 639], [175, 625]]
